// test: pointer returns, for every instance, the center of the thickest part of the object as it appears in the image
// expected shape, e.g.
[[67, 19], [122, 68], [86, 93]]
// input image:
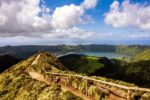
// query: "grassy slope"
[[136, 72], [145, 55], [7, 61], [16, 84], [92, 65], [129, 50], [81, 63]]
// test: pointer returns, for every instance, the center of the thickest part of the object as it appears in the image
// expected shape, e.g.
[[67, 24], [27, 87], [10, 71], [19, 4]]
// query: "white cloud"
[[127, 14], [128, 35], [21, 17], [67, 16], [87, 4], [87, 19], [72, 33]]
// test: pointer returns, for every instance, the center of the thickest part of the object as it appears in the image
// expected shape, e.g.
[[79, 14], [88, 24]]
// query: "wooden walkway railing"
[[128, 89]]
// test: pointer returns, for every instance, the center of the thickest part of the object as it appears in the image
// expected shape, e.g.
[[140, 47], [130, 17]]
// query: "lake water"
[[98, 54], [105, 54]]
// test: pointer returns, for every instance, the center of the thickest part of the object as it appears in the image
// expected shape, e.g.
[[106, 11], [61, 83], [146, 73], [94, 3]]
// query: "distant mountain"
[[28, 50], [6, 61]]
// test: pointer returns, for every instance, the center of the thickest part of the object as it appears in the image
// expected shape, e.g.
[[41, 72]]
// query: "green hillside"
[[145, 55], [28, 81], [7, 61], [89, 65], [17, 84], [129, 50], [132, 72]]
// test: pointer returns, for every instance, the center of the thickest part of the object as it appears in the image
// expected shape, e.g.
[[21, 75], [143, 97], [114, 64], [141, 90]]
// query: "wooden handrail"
[[100, 81]]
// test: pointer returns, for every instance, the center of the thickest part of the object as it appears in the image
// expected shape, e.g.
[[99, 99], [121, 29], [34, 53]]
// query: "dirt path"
[[36, 60], [36, 76], [40, 77], [114, 97], [75, 92]]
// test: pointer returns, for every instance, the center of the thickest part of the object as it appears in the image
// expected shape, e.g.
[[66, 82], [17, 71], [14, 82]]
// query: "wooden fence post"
[[86, 87], [52, 78], [68, 80], [129, 95]]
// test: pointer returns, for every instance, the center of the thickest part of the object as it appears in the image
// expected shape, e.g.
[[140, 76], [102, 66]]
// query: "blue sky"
[[103, 22]]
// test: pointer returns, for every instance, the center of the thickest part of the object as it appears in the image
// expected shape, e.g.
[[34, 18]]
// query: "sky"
[[55, 22]]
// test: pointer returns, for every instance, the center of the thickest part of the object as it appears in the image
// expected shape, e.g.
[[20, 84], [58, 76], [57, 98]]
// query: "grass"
[[16, 84], [92, 65], [145, 55], [92, 58], [69, 96]]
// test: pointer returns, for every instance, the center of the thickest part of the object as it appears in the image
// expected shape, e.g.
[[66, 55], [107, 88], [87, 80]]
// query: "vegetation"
[[69, 96], [7, 61], [48, 62], [145, 55], [117, 69], [87, 88], [87, 64], [92, 65], [129, 50], [17, 84], [81, 63], [134, 72]]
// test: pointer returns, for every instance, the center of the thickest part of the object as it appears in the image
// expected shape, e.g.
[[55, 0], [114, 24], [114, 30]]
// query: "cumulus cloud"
[[17, 16], [67, 16], [128, 14], [72, 14], [87, 4], [27, 17]]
